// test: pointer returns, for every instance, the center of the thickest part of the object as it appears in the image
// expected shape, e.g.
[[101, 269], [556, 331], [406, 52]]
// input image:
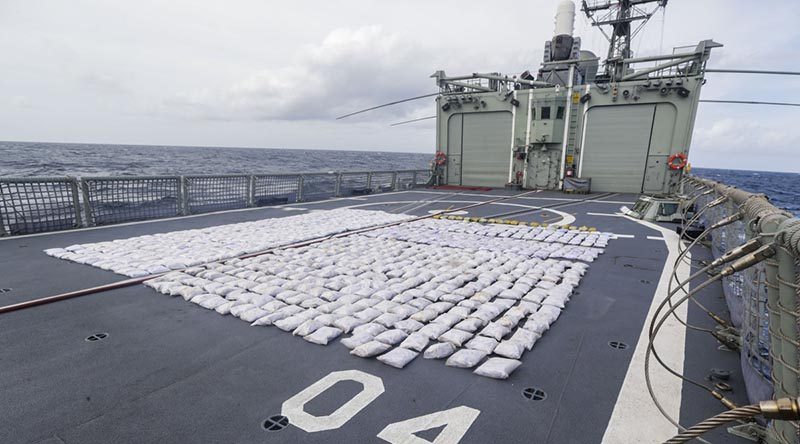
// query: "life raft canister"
[[440, 158], [681, 161]]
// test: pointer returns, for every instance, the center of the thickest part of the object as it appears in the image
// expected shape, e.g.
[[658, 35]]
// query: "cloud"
[[349, 70], [744, 143]]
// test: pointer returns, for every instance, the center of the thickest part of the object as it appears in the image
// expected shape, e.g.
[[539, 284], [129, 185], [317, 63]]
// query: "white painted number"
[[293, 408], [456, 421]]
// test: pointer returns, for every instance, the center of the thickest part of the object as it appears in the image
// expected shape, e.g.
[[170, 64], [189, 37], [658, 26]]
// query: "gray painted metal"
[[615, 151], [486, 138]]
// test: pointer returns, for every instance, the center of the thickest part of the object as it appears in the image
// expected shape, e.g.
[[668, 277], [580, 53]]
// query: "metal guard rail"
[[764, 300], [41, 204]]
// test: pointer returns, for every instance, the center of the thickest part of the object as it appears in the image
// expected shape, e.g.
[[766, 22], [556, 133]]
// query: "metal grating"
[[319, 186], [534, 394], [111, 200], [96, 337], [216, 193], [275, 189], [275, 423], [38, 204]]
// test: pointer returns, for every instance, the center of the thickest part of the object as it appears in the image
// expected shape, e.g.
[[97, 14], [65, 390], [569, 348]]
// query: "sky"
[[268, 73]]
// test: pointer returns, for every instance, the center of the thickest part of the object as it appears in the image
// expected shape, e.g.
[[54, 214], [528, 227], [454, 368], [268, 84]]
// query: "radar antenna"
[[620, 15]]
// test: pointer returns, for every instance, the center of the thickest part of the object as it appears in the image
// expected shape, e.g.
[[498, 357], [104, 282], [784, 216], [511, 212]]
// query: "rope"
[[714, 422]]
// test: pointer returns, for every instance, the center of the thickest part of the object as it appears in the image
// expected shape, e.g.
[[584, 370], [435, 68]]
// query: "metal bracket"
[[750, 431]]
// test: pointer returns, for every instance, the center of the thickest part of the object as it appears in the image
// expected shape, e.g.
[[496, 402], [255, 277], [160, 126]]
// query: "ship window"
[[545, 112], [560, 113], [668, 209]]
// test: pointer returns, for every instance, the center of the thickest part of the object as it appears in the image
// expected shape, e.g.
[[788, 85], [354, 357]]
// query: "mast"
[[626, 18]]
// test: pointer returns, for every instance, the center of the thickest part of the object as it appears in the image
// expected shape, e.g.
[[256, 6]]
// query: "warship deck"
[[170, 371]]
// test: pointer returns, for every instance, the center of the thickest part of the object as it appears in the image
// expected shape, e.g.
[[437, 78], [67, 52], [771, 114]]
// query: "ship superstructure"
[[626, 129]]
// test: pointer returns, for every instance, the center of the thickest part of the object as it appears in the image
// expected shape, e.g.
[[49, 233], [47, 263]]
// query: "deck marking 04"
[[634, 406], [456, 421], [293, 408], [656, 238]]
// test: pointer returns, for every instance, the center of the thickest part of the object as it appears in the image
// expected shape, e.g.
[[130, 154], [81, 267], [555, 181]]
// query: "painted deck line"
[[624, 236], [604, 214], [563, 199], [655, 238], [295, 209], [566, 218], [635, 417]]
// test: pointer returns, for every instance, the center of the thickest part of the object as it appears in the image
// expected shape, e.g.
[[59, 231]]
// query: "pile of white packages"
[[158, 253], [475, 295]]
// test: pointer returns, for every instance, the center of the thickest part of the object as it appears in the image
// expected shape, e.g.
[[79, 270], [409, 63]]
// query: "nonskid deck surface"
[[170, 371]]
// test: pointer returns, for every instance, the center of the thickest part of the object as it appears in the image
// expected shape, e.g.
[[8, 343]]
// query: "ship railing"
[[43, 204], [763, 300]]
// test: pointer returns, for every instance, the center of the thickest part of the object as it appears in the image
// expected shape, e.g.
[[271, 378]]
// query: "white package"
[[323, 335], [415, 341], [398, 357], [392, 337], [510, 349], [498, 368], [465, 358], [439, 351], [370, 349], [456, 337]]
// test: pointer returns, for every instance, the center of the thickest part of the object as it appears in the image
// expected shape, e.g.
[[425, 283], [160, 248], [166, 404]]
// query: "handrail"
[[763, 298], [41, 204]]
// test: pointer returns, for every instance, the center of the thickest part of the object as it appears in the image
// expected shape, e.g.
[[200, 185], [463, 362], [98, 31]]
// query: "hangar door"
[[485, 146], [616, 144]]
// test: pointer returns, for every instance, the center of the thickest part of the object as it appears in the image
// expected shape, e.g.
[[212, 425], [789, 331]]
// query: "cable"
[[783, 409], [738, 265], [734, 254], [683, 253], [712, 423]]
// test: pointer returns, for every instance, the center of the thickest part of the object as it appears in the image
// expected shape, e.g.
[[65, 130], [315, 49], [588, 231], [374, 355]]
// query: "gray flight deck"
[[170, 371]]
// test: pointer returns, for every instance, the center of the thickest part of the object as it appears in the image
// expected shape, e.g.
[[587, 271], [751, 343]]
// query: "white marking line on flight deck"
[[604, 214], [295, 209], [566, 218], [655, 238], [635, 417], [563, 199], [624, 236]]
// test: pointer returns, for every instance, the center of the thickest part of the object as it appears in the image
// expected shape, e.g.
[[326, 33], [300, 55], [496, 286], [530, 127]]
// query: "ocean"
[[27, 159]]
